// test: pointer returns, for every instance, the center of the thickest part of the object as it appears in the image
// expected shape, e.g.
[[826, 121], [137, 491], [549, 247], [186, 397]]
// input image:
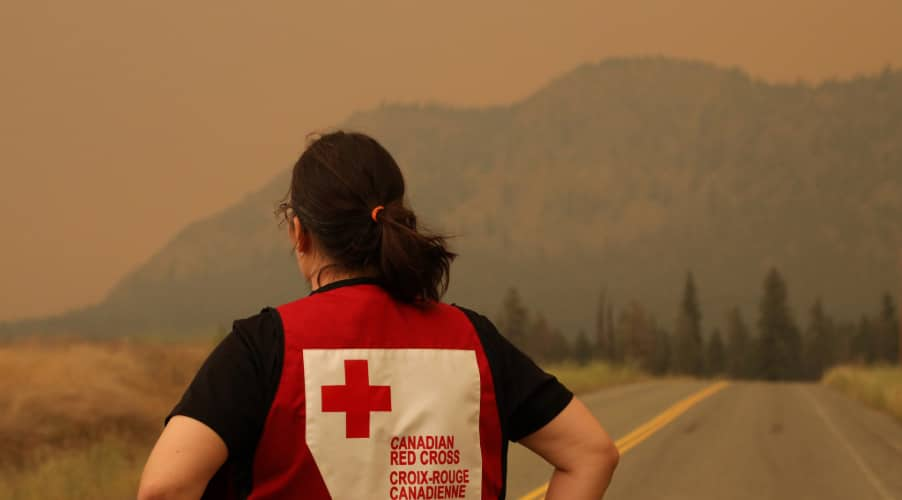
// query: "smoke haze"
[[122, 122]]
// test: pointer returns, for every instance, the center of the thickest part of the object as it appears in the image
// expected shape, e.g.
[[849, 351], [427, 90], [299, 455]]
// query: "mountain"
[[622, 175]]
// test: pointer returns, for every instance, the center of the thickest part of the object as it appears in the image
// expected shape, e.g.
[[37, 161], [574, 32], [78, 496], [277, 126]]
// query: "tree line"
[[774, 348]]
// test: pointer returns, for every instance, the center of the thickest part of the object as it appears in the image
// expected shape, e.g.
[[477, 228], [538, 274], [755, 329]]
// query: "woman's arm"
[[583, 455], [182, 462]]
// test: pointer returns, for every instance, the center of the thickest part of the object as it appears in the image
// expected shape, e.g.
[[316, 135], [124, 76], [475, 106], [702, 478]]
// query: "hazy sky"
[[122, 121]]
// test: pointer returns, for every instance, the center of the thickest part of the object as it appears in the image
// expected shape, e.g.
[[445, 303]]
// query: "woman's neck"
[[327, 276]]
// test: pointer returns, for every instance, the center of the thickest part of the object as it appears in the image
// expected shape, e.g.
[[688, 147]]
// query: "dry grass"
[[108, 468], [877, 386], [77, 418], [595, 375]]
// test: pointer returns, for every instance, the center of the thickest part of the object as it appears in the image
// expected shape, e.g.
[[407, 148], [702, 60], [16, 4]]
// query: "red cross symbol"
[[357, 398]]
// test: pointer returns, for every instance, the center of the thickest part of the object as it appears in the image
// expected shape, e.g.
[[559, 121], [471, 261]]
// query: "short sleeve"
[[234, 388], [528, 397]]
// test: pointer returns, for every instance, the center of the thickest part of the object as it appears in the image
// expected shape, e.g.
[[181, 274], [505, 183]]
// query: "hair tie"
[[375, 212]]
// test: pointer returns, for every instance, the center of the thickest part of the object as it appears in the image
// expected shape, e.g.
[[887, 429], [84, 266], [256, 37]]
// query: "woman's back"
[[370, 387]]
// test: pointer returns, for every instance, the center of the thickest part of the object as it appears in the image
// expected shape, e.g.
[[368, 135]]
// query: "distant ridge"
[[624, 173]]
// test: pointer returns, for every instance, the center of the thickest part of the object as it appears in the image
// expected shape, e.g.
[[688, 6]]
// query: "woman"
[[370, 387]]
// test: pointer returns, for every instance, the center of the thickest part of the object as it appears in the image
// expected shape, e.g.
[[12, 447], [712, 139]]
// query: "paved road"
[[747, 441]]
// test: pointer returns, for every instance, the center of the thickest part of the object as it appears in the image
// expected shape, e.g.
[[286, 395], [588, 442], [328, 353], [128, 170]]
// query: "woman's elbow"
[[604, 453], [612, 454], [151, 490]]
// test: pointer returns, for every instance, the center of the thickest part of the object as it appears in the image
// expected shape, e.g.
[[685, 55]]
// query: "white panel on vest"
[[398, 424]]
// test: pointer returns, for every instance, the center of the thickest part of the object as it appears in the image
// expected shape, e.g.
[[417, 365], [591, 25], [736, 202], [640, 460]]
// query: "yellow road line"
[[645, 430]]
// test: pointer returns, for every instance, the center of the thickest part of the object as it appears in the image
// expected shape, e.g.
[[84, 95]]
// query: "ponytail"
[[414, 266]]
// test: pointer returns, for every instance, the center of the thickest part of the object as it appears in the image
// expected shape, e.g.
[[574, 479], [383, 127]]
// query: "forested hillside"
[[621, 175]]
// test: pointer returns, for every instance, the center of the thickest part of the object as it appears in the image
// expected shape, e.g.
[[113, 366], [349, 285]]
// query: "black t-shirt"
[[235, 387]]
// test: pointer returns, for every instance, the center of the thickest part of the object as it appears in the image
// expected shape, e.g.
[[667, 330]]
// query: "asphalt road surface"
[[737, 441]]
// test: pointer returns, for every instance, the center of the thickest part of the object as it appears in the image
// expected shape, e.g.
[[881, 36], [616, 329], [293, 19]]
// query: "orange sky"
[[122, 121]]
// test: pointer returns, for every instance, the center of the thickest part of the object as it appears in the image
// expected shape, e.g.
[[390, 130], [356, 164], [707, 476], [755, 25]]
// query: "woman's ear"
[[299, 238]]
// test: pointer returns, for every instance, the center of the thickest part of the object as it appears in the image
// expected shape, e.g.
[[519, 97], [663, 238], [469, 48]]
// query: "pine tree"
[[603, 348], [820, 343], [740, 351], [540, 340], [714, 355], [688, 356], [844, 337], [637, 328], [780, 340], [616, 349], [888, 325], [663, 352], [582, 349], [513, 320], [864, 341], [560, 349]]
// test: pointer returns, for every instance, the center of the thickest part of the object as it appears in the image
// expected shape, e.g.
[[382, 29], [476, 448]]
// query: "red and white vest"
[[378, 399]]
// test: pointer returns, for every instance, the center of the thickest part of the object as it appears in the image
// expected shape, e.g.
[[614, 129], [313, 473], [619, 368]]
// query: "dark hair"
[[335, 185]]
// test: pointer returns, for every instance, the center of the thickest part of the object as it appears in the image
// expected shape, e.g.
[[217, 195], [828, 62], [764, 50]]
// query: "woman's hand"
[[182, 462], [582, 453]]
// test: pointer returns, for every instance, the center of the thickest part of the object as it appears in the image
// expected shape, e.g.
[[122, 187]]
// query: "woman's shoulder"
[[262, 330], [268, 316], [484, 326]]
